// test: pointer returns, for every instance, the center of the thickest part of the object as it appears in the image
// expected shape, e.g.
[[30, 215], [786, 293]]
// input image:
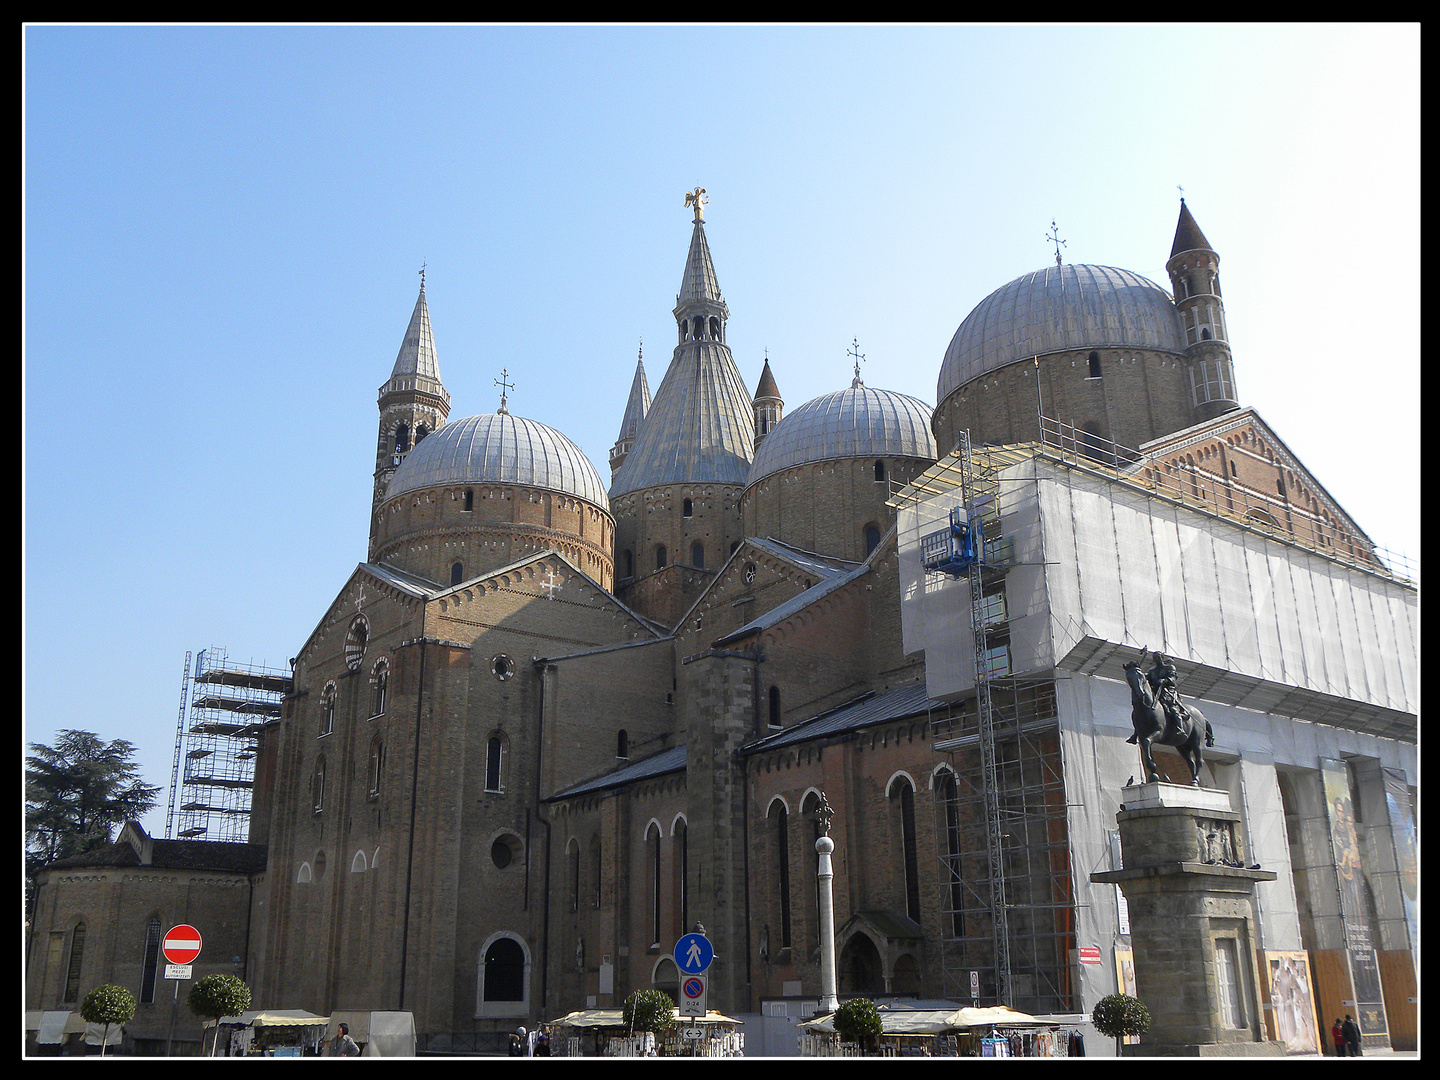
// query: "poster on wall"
[[1402, 829], [1292, 1004], [1354, 905], [1125, 980]]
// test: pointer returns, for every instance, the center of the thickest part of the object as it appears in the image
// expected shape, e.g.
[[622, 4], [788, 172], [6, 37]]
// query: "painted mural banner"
[[1354, 907]]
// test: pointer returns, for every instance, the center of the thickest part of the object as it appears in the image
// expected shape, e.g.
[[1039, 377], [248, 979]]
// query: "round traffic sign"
[[694, 988], [693, 953], [181, 944]]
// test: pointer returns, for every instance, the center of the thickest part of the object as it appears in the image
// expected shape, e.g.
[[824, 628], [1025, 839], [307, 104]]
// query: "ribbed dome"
[[1059, 309], [498, 448], [858, 422]]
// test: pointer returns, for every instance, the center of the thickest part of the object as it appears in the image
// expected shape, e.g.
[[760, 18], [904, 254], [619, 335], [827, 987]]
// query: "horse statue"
[[1158, 716]]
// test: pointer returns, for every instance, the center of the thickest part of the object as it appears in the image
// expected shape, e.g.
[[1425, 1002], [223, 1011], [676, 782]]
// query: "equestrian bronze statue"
[[1159, 716]]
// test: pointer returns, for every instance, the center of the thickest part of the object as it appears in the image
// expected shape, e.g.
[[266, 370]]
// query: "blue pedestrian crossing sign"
[[693, 953]]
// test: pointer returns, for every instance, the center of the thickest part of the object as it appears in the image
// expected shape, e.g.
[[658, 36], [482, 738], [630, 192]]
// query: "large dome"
[[1059, 309], [858, 422], [498, 448]]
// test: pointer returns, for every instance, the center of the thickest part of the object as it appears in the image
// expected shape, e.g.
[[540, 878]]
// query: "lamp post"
[[829, 1001]]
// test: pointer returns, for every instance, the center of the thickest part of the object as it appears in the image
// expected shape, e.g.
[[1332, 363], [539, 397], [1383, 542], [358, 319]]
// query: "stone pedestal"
[[1191, 895]]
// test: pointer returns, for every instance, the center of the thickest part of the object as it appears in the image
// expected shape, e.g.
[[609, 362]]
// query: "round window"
[[502, 667]]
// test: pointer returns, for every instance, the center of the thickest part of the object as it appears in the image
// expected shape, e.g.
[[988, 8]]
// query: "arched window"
[[572, 863], [72, 969], [457, 573], [420, 432], [151, 962], [1094, 365], [317, 786], [659, 556], [780, 816], [688, 508], [597, 866], [714, 328], [327, 710], [469, 499], [879, 472], [697, 555], [775, 706], [377, 766], [382, 687], [902, 796], [402, 438], [949, 800], [494, 763], [628, 560], [652, 859], [872, 537], [622, 744], [504, 975], [680, 842]]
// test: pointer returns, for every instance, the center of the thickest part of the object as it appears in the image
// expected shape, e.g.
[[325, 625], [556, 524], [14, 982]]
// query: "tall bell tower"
[[413, 403], [1194, 270]]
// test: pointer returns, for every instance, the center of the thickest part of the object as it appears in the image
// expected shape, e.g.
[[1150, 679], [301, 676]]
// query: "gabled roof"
[[833, 574], [136, 848]]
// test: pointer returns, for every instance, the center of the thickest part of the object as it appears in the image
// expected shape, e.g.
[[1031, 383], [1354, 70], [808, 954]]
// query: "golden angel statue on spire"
[[697, 199]]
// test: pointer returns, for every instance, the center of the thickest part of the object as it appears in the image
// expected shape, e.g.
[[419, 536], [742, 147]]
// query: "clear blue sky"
[[224, 228]]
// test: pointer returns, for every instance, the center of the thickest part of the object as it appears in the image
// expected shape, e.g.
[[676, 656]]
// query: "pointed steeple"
[[413, 401], [636, 409], [416, 365], [1194, 269], [768, 403], [1188, 236]]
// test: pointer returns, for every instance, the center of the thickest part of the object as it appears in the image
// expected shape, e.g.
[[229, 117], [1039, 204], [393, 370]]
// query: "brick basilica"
[[555, 721]]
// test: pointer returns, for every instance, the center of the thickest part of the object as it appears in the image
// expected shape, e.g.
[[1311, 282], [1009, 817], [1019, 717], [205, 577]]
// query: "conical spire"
[[1188, 236], [766, 387], [417, 366], [636, 409], [700, 426]]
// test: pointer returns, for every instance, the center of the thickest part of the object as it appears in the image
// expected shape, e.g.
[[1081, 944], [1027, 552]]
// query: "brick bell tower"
[[413, 403], [1194, 271]]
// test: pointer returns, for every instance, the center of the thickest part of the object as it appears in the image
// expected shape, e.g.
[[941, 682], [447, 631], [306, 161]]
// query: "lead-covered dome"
[[498, 448], [1058, 309], [858, 422]]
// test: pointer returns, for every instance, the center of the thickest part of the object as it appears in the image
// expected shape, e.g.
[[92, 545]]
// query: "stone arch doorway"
[[860, 969]]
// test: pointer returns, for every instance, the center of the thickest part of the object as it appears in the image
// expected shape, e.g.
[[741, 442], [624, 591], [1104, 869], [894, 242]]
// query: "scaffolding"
[[216, 739], [1006, 901]]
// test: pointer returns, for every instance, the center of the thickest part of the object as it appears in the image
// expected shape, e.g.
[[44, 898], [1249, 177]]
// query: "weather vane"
[[504, 385], [854, 351], [1054, 237], [697, 199], [422, 276]]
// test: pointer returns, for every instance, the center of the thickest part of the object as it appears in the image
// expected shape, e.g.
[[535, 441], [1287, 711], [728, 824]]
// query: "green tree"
[[215, 996], [649, 1010], [858, 1021], [1120, 1015], [108, 1005], [76, 793]]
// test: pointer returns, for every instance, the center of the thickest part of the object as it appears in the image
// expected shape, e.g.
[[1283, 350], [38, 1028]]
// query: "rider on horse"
[[1162, 678]]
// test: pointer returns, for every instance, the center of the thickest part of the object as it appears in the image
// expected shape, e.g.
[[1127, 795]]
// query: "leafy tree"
[[649, 1010], [76, 793], [108, 1005], [215, 996], [858, 1021], [1120, 1015]]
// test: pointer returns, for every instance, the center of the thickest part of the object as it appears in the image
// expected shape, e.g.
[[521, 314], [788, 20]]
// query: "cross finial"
[[422, 276], [504, 385], [854, 351], [1054, 237], [1182, 192]]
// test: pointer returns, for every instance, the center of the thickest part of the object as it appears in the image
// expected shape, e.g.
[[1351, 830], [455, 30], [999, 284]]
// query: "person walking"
[[1337, 1034], [344, 1045], [1351, 1031]]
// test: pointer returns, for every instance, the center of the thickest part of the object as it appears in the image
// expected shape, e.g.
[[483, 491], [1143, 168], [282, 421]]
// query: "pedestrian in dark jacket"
[[1352, 1035]]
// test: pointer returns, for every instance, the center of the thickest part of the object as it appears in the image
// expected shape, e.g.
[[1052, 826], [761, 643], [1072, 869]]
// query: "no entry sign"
[[181, 944]]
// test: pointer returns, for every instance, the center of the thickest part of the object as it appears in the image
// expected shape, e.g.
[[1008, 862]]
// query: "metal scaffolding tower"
[[1006, 900], [216, 740]]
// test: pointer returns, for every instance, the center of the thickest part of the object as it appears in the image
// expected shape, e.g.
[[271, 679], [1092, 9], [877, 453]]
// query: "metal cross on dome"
[[854, 351], [504, 385], [1054, 237]]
